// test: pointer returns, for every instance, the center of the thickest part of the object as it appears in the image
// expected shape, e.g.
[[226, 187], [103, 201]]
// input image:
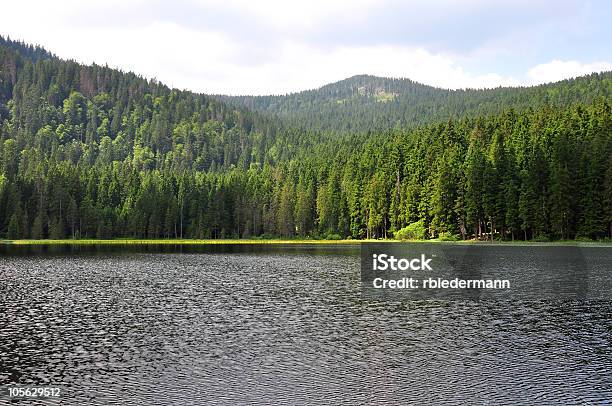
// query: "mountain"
[[67, 101], [94, 152], [365, 103]]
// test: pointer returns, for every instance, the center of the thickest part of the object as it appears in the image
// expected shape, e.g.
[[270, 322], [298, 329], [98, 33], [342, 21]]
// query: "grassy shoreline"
[[285, 241]]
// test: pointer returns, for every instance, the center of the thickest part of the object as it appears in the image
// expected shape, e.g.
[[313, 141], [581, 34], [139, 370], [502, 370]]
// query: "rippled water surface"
[[282, 325]]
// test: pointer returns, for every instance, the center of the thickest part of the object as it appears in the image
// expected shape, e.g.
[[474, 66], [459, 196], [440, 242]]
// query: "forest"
[[94, 152]]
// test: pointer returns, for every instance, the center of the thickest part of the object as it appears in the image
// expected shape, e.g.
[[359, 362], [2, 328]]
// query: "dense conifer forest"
[[94, 152]]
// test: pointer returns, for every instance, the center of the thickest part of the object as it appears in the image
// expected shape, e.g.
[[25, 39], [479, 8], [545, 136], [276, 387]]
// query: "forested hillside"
[[89, 151], [370, 103], [89, 113]]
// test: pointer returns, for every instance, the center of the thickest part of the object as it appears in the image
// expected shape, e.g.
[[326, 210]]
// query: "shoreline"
[[295, 242]]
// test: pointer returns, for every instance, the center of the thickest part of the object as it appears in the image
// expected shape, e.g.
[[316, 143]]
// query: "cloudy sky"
[[264, 47]]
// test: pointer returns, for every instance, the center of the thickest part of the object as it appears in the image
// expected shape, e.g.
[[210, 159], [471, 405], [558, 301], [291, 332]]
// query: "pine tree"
[[37, 228], [13, 228]]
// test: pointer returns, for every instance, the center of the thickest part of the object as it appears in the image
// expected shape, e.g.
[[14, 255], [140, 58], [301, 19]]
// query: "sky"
[[275, 47]]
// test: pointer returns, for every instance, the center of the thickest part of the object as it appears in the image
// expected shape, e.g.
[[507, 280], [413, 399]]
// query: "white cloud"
[[211, 62], [302, 67], [212, 58], [283, 14], [558, 70]]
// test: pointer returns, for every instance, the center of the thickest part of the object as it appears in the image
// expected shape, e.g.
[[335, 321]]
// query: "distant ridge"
[[365, 102]]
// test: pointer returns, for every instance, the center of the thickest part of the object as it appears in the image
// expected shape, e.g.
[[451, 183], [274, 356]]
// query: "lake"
[[280, 324]]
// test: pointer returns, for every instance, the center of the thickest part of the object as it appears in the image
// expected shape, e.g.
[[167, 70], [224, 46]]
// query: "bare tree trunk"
[[182, 204], [385, 225]]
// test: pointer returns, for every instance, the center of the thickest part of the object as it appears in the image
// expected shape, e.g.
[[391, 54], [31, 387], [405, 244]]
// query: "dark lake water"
[[280, 325]]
